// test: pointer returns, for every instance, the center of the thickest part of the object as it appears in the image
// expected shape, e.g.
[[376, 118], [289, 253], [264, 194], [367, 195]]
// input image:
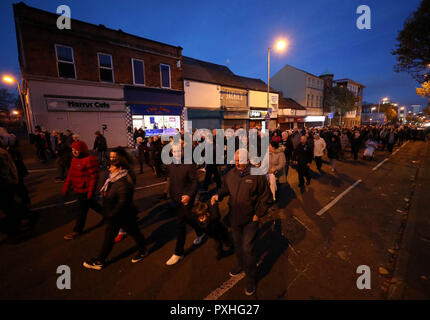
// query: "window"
[[65, 62], [138, 71], [312, 100], [309, 100], [313, 84], [165, 75], [105, 67]]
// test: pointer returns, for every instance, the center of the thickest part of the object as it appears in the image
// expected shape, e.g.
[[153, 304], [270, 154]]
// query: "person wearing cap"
[[82, 177]]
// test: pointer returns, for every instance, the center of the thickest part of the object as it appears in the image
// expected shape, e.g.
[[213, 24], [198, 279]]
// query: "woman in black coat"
[[119, 212], [333, 149]]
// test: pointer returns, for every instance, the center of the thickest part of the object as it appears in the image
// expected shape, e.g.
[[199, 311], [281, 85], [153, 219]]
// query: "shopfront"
[[157, 111], [258, 119], [235, 107]]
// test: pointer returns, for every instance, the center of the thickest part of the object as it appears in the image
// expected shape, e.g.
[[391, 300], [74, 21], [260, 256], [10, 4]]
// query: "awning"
[[144, 109]]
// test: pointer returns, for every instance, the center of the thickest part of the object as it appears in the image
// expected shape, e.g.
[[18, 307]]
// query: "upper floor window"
[[65, 62], [105, 67], [165, 75], [138, 71]]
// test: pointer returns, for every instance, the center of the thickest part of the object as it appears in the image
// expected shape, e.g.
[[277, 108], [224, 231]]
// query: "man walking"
[[249, 199], [303, 155], [183, 188], [100, 146], [319, 147]]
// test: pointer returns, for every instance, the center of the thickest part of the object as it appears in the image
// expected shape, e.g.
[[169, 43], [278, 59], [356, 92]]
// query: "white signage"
[[73, 104]]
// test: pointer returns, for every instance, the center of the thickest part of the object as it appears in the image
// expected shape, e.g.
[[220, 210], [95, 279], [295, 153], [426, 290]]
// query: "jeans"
[[244, 239], [303, 171], [129, 224], [84, 205], [185, 216], [318, 161]]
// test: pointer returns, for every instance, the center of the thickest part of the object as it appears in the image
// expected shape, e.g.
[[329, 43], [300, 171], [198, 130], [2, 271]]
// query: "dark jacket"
[[100, 143], [249, 195], [118, 199], [333, 149], [303, 154], [183, 181]]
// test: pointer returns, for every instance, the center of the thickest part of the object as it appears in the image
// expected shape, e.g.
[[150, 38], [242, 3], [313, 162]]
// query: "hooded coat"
[[83, 172]]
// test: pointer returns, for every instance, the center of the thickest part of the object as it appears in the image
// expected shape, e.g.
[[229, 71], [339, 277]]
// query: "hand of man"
[[308, 164], [214, 199], [255, 218], [185, 199]]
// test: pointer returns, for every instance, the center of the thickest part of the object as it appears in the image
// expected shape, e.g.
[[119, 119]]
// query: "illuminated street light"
[[280, 46], [10, 80]]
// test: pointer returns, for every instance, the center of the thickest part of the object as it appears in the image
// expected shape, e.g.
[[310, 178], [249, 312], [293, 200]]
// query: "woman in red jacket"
[[82, 177]]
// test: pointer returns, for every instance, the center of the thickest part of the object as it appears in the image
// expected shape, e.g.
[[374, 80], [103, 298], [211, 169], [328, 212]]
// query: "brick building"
[[91, 77]]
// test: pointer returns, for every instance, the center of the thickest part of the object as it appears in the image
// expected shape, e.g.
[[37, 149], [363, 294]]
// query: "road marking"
[[334, 201], [73, 201], [152, 185], [41, 170], [380, 164], [230, 283]]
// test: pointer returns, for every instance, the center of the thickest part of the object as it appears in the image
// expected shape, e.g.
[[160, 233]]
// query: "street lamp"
[[379, 102], [280, 46], [10, 80]]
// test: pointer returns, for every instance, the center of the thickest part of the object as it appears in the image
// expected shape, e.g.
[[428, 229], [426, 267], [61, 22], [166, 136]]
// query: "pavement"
[[308, 249]]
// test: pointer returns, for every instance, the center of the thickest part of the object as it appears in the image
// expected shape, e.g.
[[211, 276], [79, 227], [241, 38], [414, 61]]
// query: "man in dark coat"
[[303, 156], [249, 200], [183, 188], [100, 146]]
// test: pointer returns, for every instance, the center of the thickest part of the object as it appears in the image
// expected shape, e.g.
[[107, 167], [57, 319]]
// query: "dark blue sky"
[[322, 34]]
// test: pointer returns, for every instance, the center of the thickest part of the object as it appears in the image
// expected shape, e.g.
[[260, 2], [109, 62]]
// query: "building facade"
[[93, 78], [352, 118], [303, 87], [291, 114]]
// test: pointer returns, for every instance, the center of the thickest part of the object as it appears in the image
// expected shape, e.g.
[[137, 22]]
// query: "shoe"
[[93, 264], [235, 272], [174, 260], [120, 237], [59, 180], [250, 287], [139, 257], [198, 240], [71, 235]]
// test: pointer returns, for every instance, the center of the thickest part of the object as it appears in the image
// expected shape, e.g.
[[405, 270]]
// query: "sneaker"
[[120, 237], [59, 180], [139, 257], [235, 272], [250, 287], [71, 235], [93, 264], [174, 260], [199, 240]]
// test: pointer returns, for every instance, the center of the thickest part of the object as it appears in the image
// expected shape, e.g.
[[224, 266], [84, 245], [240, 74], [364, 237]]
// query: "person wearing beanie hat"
[[82, 177]]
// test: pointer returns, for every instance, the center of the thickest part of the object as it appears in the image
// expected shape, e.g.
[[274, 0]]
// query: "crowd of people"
[[250, 196]]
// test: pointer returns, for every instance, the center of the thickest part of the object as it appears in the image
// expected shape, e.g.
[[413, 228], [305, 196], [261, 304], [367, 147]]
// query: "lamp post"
[[379, 102], [11, 80], [279, 46]]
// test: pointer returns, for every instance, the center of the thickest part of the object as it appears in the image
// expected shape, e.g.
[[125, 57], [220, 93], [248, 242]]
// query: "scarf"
[[112, 178]]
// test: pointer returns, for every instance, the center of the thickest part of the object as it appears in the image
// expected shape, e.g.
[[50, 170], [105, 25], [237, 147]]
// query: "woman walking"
[[120, 212], [332, 152]]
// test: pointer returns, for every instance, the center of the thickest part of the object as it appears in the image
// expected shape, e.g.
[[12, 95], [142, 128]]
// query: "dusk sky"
[[322, 34]]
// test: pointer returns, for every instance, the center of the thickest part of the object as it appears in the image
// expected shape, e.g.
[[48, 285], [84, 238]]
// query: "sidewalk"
[[413, 267]]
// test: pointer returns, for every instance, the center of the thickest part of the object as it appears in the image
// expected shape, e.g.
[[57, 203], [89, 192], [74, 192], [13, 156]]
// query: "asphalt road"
[[302, 255]]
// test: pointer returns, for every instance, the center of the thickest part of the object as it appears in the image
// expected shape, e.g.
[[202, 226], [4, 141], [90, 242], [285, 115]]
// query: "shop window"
[[106, 67], [138, 71], [165, 75], [65, 62]]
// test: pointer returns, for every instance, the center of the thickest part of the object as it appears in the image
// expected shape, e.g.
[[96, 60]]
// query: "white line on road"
[[41, 170], [73, 201], [152, 185], [230, 283], [380, 164], [334, 201]]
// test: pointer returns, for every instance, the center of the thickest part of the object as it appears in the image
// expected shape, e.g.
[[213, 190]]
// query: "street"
[[308, 249]]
